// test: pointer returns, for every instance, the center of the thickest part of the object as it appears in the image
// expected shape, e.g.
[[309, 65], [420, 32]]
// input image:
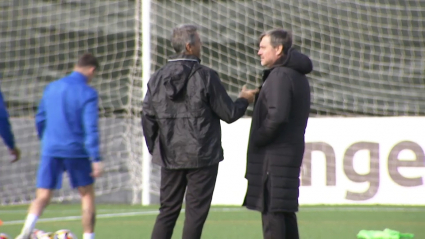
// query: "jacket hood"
[[296, 61], [178, 71]]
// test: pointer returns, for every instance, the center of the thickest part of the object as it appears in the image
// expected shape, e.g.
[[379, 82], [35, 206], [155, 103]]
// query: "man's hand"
[[97, 168], [248, 94], [16, 154]]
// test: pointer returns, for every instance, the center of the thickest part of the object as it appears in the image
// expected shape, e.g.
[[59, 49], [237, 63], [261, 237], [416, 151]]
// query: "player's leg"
[[280, 225], [277, 225], [88, 210], [274, 226], [173, 186], [35, 210], [291, 225], [48, 178], [273, 223], [79, 171], [200, 189]]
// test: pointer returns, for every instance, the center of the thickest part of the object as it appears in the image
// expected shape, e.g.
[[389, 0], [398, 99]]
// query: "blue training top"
[[67, 119]]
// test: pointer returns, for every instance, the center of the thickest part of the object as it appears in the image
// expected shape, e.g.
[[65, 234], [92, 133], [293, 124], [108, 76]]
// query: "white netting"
[[367, 55], [40, 42]]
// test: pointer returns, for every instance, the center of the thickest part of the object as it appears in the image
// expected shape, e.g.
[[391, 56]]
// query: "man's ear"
[[188, 48], [279, 50]]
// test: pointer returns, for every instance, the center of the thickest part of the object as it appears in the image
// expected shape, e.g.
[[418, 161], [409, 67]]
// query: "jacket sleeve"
[[5, 127], [90, 122], [40, 117], [278, 94], [221, 103], [149, 123]]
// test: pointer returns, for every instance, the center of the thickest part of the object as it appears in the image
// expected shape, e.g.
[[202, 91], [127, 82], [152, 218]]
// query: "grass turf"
[[315, 222]]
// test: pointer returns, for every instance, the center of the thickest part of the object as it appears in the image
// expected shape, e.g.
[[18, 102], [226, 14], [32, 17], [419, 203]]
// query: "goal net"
[[367, 56], [40, 42]]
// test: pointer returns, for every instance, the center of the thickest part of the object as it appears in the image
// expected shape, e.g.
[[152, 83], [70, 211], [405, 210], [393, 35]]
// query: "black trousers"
[[278, 225], [200, 185]]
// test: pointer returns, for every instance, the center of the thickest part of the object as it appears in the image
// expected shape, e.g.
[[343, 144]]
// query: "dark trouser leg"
[[173, 186], [200, 188], [278, 225], [291, 225]]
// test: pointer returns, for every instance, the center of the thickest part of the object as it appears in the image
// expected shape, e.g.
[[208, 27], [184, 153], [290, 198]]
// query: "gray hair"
[[182, 35], [279, 37]]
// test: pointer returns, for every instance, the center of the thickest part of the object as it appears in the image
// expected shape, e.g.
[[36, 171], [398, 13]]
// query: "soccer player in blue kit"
[[6, 131], [67, 124]]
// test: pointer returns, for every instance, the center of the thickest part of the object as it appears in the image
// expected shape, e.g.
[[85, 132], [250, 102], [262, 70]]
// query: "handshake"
[[248, 94]]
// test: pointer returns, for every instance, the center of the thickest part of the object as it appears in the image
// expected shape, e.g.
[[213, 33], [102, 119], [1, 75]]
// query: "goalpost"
[[146, 62]]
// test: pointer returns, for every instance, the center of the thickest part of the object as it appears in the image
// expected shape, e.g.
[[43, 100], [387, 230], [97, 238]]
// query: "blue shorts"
[[50, 171]]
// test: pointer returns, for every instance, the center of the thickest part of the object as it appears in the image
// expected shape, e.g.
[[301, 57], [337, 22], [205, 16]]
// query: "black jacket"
[[181, 114], [276, 143]]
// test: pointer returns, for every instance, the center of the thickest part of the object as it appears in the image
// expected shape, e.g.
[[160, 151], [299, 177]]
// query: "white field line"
[[362, 209], [113, 214], [68, 211], [74, 218], [302, 209]]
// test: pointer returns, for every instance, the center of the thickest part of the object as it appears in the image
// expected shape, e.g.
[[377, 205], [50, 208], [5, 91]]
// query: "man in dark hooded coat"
[[276, 143]]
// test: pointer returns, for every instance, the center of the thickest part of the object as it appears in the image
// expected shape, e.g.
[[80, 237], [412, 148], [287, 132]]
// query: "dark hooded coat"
[[276, 143], [182, 109]]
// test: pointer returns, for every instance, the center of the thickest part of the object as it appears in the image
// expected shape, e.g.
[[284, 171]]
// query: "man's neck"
[[82, 73]]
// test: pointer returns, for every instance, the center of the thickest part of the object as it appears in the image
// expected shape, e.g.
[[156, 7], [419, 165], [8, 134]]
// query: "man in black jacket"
[[276, 143], [181, 124]]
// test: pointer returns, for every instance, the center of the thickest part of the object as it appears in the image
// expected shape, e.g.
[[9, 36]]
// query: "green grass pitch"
[[315, 222]]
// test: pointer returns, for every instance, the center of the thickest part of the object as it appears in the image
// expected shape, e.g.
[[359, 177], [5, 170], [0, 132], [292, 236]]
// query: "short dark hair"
[[87, 60], [182, 35], [279, 37]]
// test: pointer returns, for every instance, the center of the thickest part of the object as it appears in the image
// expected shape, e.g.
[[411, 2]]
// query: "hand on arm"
[[92, 142], [149, 123], [6, 131], [222, 104]]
